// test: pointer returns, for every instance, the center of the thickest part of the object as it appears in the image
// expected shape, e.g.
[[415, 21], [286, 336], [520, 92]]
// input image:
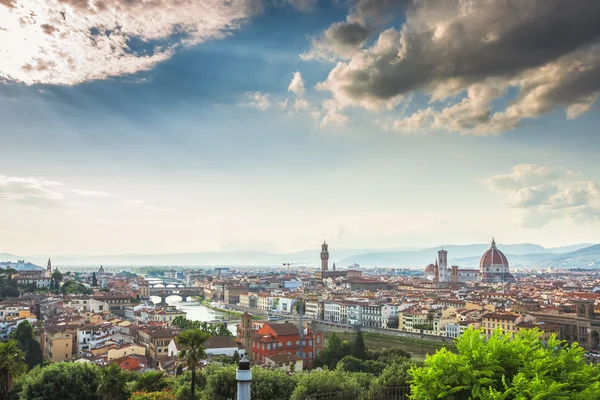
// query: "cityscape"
[[299, 200]]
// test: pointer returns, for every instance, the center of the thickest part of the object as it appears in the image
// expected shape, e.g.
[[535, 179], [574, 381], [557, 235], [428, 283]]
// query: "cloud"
[[258, 100], [468, 54], [67, 42], [344, 39], [142, 204], [29, 191], [297, 84], [90, 193], [541, 194]]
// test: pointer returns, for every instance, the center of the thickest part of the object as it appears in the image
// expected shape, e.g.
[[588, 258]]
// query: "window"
[[310, 354], [280, 344], [318, 339], [268, 346], [297, 342], [289, 343]]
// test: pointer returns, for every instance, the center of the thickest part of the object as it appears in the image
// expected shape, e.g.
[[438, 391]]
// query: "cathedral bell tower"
[[49, 269], [324, 257]]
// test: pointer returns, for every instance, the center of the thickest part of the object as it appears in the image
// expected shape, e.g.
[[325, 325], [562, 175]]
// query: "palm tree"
[[112, 382], [192, 351], [12, 364]]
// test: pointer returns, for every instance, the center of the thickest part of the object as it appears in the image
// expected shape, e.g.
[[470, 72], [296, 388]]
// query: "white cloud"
[[541, 194], [29, 190], [297, 84], [258, 100], [67, 42], [90, 193]]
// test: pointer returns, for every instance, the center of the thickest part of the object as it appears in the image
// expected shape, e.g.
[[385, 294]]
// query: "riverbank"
[[206, 303], [418, 348]]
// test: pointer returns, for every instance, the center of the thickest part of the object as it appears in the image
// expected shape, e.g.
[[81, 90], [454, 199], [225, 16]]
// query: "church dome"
[[493, 257], [430, 270]]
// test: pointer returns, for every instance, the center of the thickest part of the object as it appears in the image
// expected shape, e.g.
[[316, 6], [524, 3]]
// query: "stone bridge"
[[183, 292]]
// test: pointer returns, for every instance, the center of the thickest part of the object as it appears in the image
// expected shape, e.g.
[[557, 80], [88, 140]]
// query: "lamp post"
[[244, 377]]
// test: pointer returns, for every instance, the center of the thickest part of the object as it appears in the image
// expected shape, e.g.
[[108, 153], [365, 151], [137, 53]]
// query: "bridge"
[[182, 291]]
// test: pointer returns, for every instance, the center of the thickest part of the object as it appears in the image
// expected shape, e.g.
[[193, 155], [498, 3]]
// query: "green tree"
[[505, 367], [12, 365], [57, 275], [112, 383], [332, 352], [179, 370], [94, 279], [164, 395], [359, 350], [353, 364], [272, 384], [220, 383], [394, 375], [31, 347], [236, 357], [10, 291], [151, 381], [323, 382], [62, 381], [192, 352]]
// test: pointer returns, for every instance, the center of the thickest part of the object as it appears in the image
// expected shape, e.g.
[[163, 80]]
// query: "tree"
[[10, 291], [272, 384], [57, 275], [94, 279], [359, 350], [165, 395], [323, 382], [505, 367], [12, 365], [179, 370], [332, 352], [151, 381], [112, 383], [353, 364], [394, 375], [62, 381], [31, 347], [192, 352], [220, 383], [236, 357]]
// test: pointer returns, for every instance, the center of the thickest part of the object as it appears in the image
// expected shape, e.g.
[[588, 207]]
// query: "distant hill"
[[20, 265], [519, 255]]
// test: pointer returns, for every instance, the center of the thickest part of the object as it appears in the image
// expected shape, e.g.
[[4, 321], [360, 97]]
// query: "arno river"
[[196, 311]]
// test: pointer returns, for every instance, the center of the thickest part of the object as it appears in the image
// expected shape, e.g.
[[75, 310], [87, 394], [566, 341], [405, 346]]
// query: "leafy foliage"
[[219, 329], [31, 347], [74, 287], [112, 383], [503, 367], [165, 395], [62, 381], [353, 364], [321, 382], [12, 365], [359, 350], [151, 381]]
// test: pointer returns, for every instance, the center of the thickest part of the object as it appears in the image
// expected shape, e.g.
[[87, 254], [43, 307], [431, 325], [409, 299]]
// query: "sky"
[[186, 125]]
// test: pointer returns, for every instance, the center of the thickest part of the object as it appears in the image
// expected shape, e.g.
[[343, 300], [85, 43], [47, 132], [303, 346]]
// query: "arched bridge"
[[183, 292]]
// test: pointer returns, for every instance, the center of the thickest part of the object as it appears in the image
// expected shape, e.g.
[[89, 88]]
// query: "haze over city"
[[273, 125]]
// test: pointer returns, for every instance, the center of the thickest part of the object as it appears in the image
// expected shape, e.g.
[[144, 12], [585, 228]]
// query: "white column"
[[244, 378]]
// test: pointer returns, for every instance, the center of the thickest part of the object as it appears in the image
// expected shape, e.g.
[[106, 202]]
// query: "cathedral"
[[493, 268]]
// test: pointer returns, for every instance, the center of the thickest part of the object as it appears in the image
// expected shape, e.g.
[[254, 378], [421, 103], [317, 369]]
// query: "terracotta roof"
[[505, 317], [493, 256], [219, 342], [283, 329]]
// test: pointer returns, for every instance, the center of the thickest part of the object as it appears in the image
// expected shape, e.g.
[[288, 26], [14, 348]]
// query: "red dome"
[[430, 270], [493, 256]]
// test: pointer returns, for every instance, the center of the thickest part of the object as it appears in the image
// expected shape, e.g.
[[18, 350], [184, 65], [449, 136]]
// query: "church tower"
[[443, 265], [49, 269], [324, 257]]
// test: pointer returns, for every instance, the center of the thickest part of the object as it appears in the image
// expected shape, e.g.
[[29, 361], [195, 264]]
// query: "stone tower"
[[443, 265], [49, 269], [324, 257], [246, 333]]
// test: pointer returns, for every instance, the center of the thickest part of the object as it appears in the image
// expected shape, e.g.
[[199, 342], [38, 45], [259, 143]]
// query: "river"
[[198, 312]]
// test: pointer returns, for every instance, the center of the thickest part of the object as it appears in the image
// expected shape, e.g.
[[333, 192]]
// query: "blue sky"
[[390, 133]]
